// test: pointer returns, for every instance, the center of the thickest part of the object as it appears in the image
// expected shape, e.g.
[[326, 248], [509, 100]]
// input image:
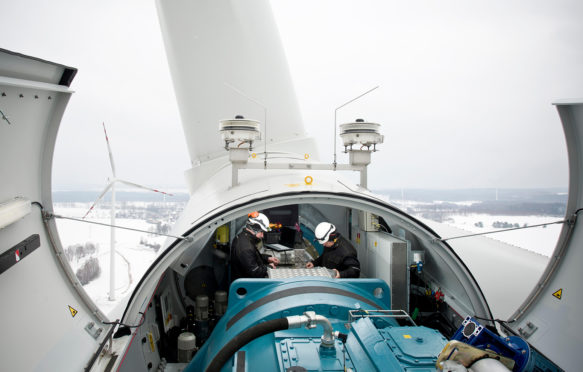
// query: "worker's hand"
[[309, 265], [273, 260], [337, 274], [272, 265]]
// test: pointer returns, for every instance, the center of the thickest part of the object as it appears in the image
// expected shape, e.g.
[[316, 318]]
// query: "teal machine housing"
[[368, 335]]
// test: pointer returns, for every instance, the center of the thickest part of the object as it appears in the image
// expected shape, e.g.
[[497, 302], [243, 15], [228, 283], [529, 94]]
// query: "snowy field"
[[540, 240], [132, 258]]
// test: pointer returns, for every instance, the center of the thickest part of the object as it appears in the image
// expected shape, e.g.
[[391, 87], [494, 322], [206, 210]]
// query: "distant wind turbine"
[[111, 185]]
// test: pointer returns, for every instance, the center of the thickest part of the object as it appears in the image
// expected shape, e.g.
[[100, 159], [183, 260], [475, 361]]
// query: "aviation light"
[[361, 133], [241, 130]]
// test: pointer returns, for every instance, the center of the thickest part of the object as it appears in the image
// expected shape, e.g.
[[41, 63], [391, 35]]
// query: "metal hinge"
[[528, 331], [93, 330]]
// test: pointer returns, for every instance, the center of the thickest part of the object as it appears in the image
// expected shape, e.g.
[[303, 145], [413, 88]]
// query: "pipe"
[[243, 339], [310, 320], [488, 365]]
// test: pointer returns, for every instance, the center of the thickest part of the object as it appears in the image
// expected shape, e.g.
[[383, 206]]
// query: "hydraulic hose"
[[243, 339]]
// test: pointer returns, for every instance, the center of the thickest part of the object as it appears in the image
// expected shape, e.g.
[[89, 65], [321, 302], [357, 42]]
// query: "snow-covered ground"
[[541, 240], [132, 258]]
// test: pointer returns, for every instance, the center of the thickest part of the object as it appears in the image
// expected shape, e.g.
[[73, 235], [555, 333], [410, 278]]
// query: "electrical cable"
[[496, 320], [118, 227], [4, 117], [503, 230], [243, 339], [118, 322], [50, 214], [576, 213]]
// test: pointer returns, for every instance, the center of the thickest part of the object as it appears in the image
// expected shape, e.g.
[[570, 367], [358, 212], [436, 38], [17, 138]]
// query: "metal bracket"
[[528, 331], [93, 330], [311, 319]]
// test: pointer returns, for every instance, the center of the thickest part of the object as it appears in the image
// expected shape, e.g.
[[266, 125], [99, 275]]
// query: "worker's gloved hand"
[[309, 265]]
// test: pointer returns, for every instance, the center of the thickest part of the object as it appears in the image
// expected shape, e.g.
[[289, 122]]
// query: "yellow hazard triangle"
[[558, 294], [73, 311]]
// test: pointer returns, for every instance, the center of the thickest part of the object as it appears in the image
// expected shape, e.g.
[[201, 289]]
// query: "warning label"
[[558, 294], [73, 311]]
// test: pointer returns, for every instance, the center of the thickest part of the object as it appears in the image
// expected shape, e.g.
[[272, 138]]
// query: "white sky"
[[465, 97]]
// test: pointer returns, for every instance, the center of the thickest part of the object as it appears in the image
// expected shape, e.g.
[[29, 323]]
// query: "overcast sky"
[[465, 96]]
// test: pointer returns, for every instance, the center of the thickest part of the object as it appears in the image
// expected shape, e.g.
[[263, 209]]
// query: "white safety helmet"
[[258, 222], [323, 232]]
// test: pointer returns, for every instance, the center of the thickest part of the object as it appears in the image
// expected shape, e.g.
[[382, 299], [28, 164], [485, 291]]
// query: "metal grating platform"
[[292, 273]]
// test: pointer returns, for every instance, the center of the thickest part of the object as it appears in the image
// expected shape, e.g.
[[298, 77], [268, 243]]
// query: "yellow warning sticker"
[[406, 336], [73, 311], [558, 294]]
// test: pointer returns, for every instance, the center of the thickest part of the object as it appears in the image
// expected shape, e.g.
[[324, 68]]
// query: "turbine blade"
[[99, 198], [143, 187], [109, 150]]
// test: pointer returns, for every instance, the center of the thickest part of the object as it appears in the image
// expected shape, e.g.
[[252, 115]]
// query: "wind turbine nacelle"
[[239, 131]]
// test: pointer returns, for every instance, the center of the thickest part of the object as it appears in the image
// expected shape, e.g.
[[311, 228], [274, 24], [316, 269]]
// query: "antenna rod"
[[264, 118], [335, 115]]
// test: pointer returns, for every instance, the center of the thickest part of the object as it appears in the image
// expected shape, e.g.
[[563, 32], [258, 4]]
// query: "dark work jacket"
[[246, 261], [342, 257]]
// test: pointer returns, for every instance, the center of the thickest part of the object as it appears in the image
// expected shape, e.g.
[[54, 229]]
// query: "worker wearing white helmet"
[[246, 261], [338, 254]]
